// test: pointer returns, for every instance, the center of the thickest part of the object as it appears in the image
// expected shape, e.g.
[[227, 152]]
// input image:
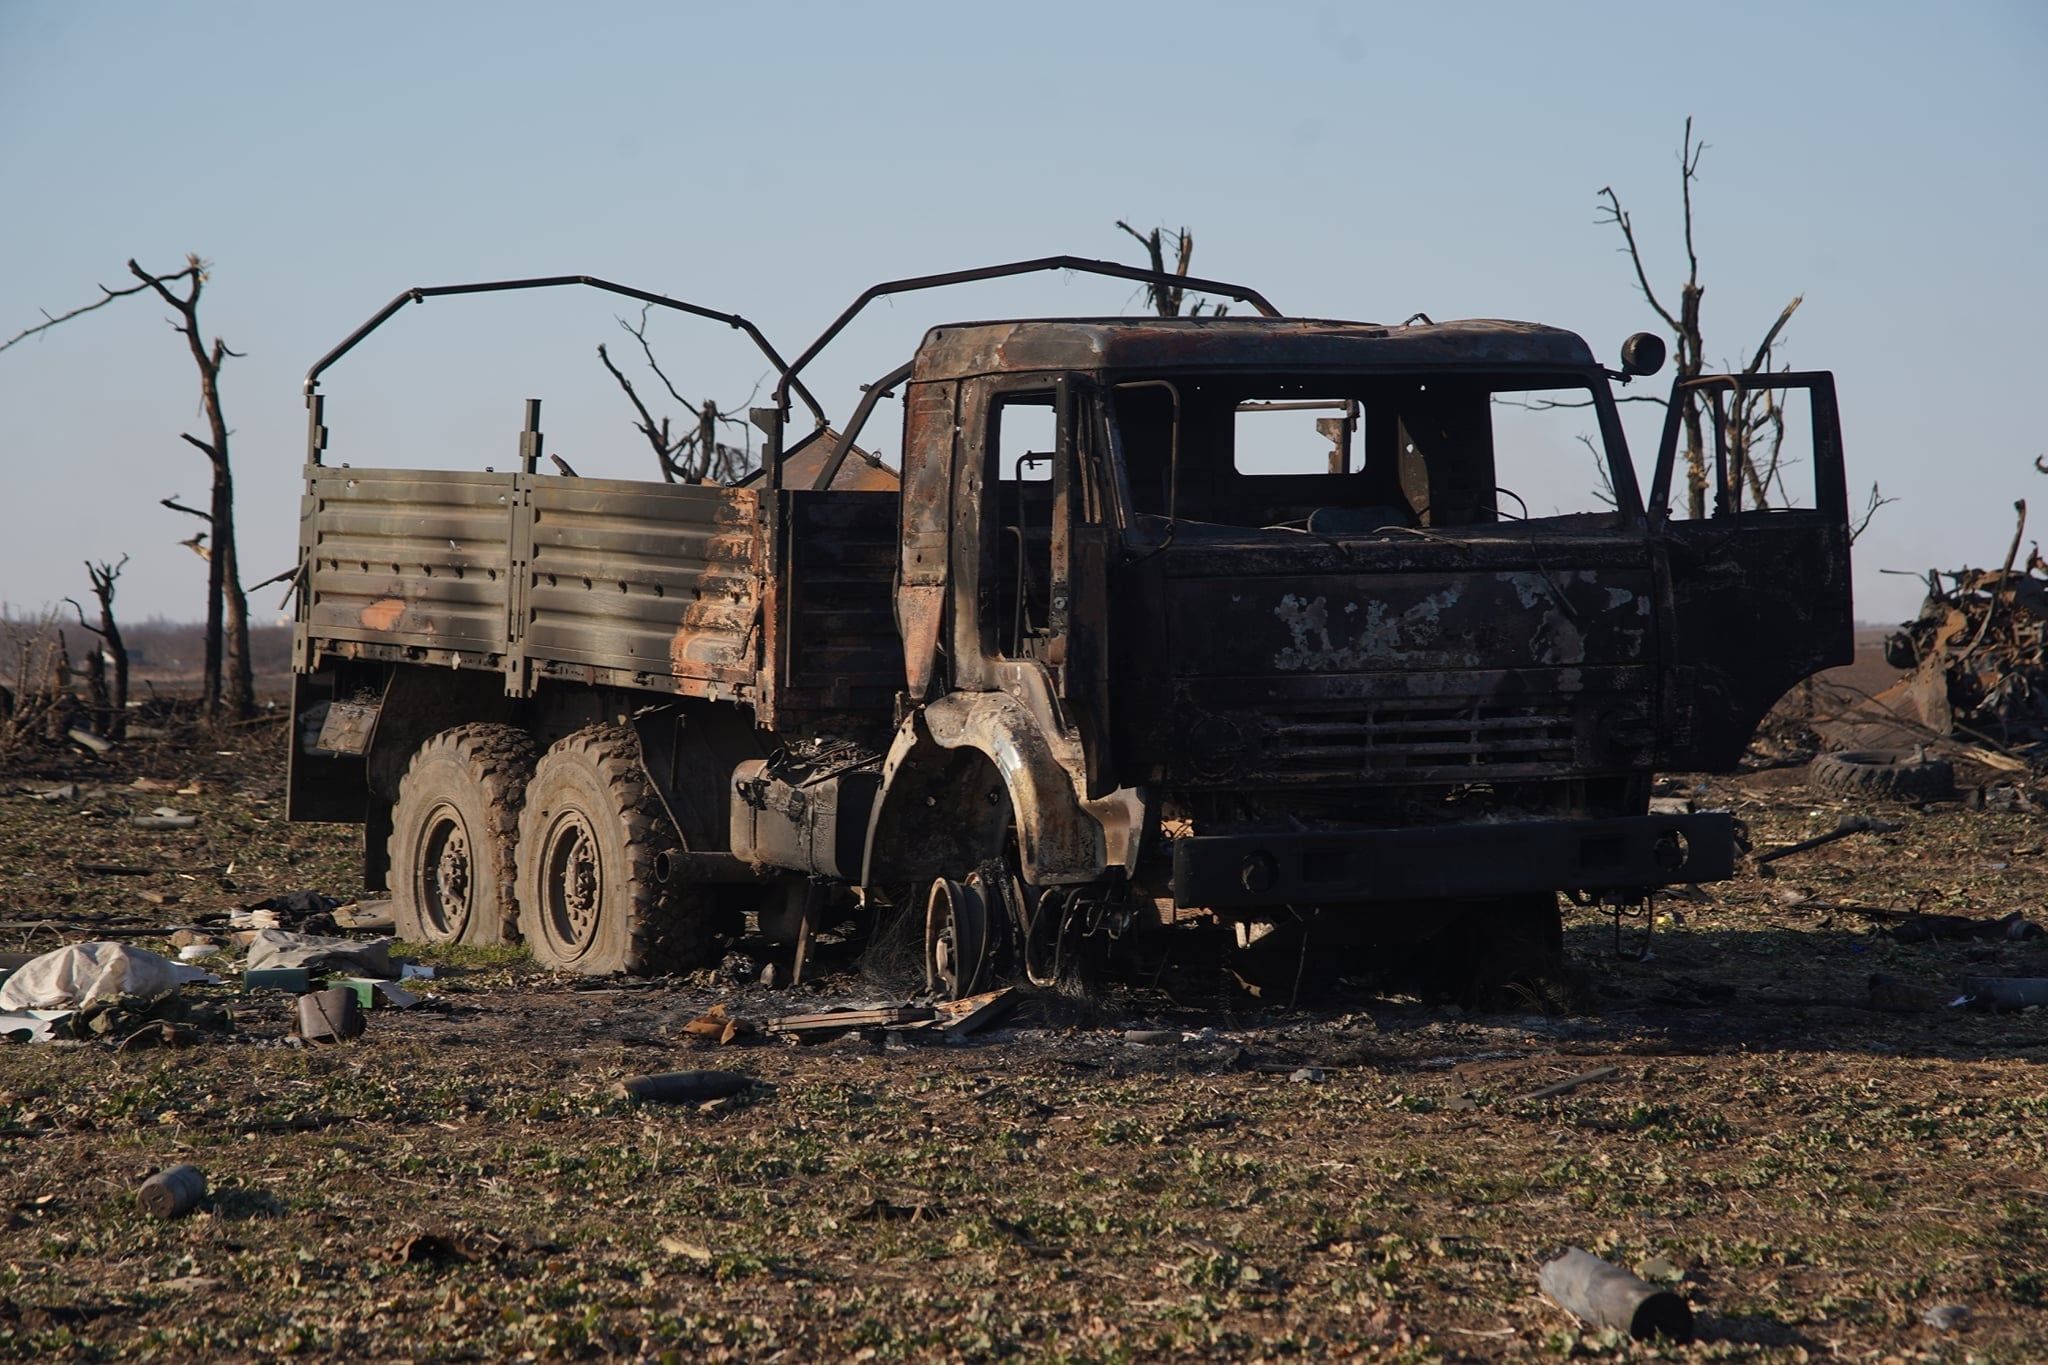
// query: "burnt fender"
[[942, 810]]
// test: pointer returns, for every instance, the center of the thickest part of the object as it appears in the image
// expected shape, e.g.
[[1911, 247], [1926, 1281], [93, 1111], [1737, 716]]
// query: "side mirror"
[[1642, 355]]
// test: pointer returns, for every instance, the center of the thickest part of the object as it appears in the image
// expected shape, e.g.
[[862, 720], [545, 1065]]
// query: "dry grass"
[[1815, 1173]]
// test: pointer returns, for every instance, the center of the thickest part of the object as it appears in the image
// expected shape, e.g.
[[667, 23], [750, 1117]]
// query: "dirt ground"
[[1369, 1177]]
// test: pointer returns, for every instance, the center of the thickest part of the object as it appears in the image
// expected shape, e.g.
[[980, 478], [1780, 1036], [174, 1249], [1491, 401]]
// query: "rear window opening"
[[1366, 456]]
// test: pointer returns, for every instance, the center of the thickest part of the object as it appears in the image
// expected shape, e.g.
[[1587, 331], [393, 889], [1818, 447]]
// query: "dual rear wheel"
[[489, 845]]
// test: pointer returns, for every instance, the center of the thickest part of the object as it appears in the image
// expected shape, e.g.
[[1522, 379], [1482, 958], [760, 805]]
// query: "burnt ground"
[[1812, 1172]]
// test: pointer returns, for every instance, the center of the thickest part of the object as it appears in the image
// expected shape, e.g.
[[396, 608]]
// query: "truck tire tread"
[[496, 761], [664, 928], [1883, 774]]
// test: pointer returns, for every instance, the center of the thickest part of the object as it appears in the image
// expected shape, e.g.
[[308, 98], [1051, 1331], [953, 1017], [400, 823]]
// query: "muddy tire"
[[1883, 775], [452, 835], [591, 838]]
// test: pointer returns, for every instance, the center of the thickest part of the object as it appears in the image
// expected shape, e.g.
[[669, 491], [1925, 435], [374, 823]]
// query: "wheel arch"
[[935, 811]]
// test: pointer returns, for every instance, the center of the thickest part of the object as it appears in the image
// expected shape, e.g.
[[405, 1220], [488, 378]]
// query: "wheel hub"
[[956, 939], [574, 888], [443, 882]]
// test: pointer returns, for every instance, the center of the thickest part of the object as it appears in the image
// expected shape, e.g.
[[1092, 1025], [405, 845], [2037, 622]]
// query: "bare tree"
[[1168, 299], [39, 698], [229, 679], [1755, 421], [692, 452], [111, 709]]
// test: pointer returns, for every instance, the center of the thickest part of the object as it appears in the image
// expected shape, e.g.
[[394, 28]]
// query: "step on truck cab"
[[1097, 661]]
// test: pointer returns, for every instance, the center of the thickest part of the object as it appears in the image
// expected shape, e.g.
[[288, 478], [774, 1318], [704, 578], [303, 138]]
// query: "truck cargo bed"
[[645, 585]]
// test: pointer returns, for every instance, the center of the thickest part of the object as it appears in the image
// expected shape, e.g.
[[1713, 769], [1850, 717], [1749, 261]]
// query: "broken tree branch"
[[657, 436], [107, 296], [1876, 502], [1619, 217]]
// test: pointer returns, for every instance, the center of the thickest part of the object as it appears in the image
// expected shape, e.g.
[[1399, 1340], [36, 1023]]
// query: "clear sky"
[[1355, 161]]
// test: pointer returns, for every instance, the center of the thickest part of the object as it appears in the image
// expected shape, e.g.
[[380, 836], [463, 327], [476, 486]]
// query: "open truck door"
[[1757, 589]]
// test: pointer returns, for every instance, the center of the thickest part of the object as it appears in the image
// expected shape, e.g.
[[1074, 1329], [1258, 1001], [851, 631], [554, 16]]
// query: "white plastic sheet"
[[84, 974]]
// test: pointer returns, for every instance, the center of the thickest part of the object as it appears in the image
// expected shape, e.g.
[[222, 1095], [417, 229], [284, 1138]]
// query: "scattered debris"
[[1608, 1296], [683, 1087], [164, 818], [278, 948], [172, 1191], [426, 1247], [84, 974], [1884, 775], [366, 917], [896, 1207], [717, 1023], [975, 1012], [676, 1246], [839, 1020], [2006, 992], [1846, 826], [330, 1016], [86, 739], [1151, 1037], [35, 1026], [303, 910], [1977, 653], [1918, 928], [114, 869], [391, 995], [297, 980], [1947, 1317], [1571, 1083], [67, 792]]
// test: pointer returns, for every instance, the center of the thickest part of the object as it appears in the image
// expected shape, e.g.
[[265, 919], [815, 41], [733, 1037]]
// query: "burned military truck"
[[1087, 667]]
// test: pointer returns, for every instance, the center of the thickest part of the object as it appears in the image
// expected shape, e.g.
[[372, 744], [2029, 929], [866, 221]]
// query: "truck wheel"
[[968, 928], [590, 838], [452, 833], [956, 934], [1883, 774]]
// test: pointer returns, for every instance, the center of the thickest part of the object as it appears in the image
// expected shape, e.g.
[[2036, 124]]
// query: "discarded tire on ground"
[[1884, 774], [452, 833], [591, 837]]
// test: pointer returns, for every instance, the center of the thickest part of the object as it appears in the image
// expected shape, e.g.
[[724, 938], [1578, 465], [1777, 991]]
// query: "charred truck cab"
[[1109, 658]]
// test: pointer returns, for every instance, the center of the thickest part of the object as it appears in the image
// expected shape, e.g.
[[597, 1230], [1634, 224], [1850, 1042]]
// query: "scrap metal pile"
[[1977, 657]]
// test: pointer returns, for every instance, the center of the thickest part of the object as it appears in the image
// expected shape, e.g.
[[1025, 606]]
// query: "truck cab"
[[1353, 677]]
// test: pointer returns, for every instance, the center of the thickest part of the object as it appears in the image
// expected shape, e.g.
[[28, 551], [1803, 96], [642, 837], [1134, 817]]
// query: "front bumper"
[[1452, 862]]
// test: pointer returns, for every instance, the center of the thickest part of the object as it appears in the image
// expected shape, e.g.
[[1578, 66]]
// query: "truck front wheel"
[[591, 838], [452, 833]]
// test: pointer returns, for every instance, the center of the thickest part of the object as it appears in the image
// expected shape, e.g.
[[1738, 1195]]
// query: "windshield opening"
[[1363, 455]]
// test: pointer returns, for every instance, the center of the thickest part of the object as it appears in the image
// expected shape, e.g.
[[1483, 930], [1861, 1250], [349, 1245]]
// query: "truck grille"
[[1409, 735]]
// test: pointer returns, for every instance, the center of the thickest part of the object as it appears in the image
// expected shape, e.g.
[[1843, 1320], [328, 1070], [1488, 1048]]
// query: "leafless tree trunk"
[[229, 677], [1167, 300], [112, 720], [1755, 419], [58, 689]]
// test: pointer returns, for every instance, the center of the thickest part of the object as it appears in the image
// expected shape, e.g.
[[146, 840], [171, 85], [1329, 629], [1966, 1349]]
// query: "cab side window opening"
[[1023, 443], [1759, 448]]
